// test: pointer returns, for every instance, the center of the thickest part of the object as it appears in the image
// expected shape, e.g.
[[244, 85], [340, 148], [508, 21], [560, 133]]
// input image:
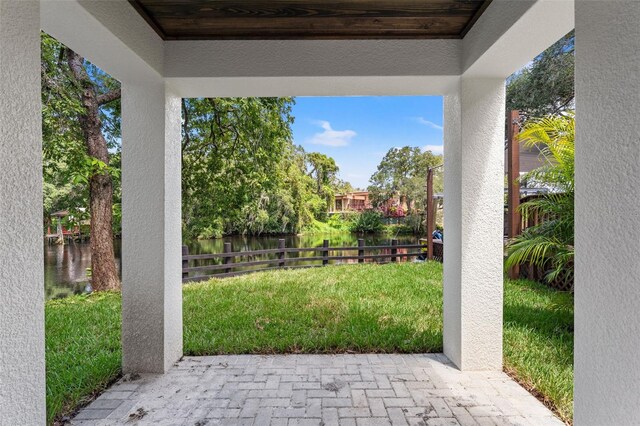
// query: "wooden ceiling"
[[310, 19]]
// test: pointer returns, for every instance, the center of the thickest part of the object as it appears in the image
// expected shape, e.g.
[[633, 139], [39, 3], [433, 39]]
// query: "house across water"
[[351, 201]]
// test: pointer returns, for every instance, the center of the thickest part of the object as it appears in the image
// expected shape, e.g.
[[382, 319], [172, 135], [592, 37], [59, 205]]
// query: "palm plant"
[[549, 245]]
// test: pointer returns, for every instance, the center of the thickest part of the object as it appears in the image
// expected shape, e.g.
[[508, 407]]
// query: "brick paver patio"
[[317, 390]]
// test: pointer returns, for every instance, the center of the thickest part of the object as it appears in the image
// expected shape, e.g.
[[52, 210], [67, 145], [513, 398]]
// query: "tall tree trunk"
[[104, 274]]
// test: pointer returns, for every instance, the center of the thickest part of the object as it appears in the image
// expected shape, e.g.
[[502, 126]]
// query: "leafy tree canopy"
[[67, 166], [243, 174], [403, 173], [547, 85]]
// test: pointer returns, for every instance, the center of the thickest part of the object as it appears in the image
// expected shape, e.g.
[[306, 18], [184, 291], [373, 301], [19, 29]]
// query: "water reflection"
[[65, 267]]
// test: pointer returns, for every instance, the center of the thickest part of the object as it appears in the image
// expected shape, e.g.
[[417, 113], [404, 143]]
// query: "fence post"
[[360, 250], [393, 249], [227, 260], [185, 262], [430, 214], [325, 252], [281, 253]]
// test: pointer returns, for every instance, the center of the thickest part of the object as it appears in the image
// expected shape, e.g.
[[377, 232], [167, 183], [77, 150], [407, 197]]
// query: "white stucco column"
[[22, 362], [151, 229], [474, 123], [607, 213]]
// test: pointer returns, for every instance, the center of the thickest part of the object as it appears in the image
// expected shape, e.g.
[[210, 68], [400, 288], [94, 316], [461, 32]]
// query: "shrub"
[[416, 223], [368, 221], [338, 222], [549, 246]]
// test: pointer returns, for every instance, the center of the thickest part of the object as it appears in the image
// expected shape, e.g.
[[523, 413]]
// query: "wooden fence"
[[226, 264]]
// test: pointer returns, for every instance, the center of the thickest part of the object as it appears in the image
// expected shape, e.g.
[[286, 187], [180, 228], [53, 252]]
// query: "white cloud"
[[330, 137], [428, 123], [436, 149]]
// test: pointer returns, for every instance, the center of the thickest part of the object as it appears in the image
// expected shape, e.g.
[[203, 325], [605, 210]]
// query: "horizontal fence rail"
[[195, 266]]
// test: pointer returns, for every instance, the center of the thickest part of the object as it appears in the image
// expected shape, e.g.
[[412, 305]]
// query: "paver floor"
[[376, 389]]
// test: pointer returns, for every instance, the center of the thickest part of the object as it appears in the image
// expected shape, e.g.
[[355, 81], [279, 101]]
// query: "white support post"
[[22, 361], [473, 218], [151, 230], [607, 213]]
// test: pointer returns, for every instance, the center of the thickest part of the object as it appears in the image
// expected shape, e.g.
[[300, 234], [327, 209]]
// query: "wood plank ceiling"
[[310, 19]]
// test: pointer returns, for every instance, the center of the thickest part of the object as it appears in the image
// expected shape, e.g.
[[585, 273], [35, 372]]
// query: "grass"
[[359, 308], [346, 308], [82, 349], [538, 342]]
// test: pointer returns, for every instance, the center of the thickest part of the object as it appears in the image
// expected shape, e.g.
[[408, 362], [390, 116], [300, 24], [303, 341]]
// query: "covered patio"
[[372, 389], [468, 67]]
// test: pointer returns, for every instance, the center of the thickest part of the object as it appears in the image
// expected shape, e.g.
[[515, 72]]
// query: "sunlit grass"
[[83, 349], [362, 308], [352, 308], [538, 342]]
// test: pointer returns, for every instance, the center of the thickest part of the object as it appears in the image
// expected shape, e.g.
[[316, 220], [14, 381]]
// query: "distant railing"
[[228, 263]]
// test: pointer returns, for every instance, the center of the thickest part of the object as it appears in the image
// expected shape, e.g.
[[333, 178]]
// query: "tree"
[[547, 85], [233, 153], [549, 245], [344, 187], [402, 173], [81, 122], [324, 171]]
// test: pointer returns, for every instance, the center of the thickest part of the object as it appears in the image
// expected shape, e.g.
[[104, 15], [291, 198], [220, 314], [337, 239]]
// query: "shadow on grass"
[[535, 307], [546, 321]]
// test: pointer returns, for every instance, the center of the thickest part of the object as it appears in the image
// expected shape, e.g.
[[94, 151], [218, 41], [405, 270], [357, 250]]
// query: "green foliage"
[[547, 86], [234, 159], [403, 173], [549, 245], [339, 222], [242, 174], [334, 223], [416, 223], [67, 167], [369, 221], [323, 170]]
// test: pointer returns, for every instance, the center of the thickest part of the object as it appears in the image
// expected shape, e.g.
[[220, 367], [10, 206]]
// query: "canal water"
[[65, 267]]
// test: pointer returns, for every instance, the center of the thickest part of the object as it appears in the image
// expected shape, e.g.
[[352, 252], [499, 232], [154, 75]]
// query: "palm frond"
[[549, 245]]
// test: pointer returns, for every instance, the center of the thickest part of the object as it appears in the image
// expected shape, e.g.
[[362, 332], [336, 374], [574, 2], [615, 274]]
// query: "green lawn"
[[366, 309], [360, 308], [538, 342], [82, 335]]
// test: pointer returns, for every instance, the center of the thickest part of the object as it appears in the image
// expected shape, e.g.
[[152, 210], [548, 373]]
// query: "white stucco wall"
[[511, 33], [22, 367], [151, 227], [473, 216], [607, 280], [110, 34], [192, 87], [452, 324], [311, 58], [312, 67]]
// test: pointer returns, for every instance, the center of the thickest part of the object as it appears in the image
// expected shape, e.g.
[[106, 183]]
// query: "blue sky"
[[358, 131]]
